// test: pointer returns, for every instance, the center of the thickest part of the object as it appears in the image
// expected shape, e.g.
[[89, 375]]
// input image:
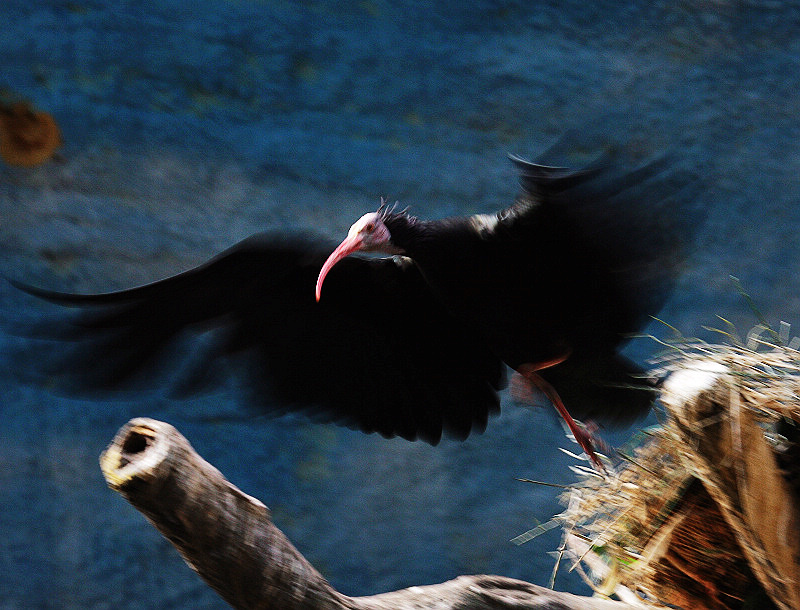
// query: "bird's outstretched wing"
[[609, 243], [631, 229], [378, 353]]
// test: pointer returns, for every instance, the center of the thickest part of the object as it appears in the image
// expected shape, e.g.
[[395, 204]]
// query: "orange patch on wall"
[[28, 137]]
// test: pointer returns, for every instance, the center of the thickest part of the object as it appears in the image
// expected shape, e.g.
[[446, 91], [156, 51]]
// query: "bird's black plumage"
[[575, 267], [410, 345], [380, 353]]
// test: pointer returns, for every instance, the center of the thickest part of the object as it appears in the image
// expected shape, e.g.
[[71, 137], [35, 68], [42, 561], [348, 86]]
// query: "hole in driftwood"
[[135, 442]]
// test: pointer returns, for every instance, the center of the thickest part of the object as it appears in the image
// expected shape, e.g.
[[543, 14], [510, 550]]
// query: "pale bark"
[[230, 540]]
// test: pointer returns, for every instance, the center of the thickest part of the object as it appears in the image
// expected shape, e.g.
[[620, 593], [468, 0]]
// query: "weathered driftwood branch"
[[230, 540]]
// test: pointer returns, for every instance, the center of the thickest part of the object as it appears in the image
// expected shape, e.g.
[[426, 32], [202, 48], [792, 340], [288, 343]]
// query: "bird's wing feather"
[[631, 228], [542, 181], [608, 243], [378, 352]]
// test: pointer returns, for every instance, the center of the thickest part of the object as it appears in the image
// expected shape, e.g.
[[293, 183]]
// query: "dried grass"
[[674, 521]]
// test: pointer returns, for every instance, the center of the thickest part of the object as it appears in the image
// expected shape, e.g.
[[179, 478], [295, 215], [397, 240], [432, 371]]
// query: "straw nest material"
[[704, 512]]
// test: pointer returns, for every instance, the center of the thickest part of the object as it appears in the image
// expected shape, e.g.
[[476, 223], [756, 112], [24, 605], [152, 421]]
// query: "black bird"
[[414, 344]]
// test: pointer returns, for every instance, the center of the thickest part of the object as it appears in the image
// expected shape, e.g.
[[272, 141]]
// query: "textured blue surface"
[[188, 126]]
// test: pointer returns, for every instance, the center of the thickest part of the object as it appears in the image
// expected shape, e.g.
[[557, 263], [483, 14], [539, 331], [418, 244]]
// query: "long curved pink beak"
[[348, 246]]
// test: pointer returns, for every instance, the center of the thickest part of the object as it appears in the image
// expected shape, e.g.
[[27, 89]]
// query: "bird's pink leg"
[[583, 438]]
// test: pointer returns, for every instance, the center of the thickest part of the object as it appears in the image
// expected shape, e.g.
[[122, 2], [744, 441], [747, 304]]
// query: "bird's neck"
[[438, 247], [408, 232], [439, 240]]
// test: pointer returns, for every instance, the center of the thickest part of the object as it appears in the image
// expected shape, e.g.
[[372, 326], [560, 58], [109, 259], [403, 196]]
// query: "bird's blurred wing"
[[378, 352], [631, 230], [542, 181]]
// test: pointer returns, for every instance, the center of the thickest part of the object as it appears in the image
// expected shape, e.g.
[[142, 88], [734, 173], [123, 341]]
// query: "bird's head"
[[368, 234]]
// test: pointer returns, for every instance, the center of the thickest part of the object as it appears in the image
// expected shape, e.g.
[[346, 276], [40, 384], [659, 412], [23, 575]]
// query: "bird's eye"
[[370, 227]]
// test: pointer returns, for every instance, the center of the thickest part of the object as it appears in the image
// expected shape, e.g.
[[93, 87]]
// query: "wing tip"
[[525, 164], [35, 291]]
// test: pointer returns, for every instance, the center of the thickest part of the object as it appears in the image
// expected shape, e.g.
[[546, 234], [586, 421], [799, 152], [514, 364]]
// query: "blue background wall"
[[188, 126]]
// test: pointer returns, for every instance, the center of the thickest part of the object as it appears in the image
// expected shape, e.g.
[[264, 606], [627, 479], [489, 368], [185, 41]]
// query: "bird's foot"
[[586, 437], [583, 434]]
